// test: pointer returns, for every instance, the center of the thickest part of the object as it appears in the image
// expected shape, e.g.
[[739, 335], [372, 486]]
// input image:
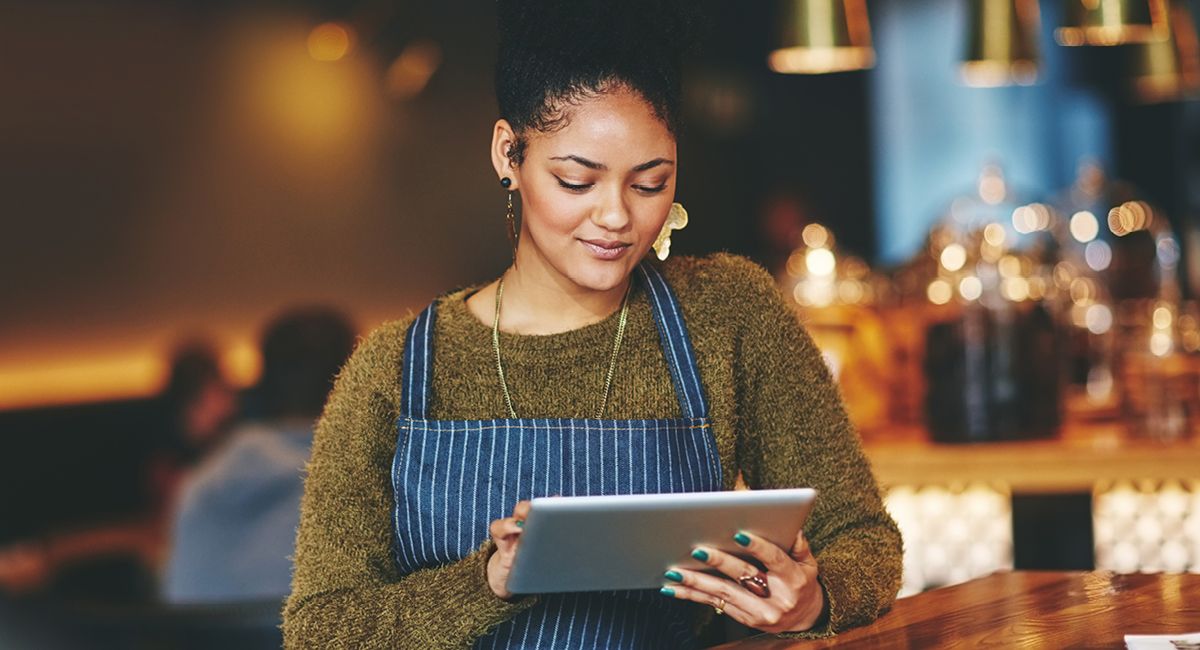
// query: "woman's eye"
[[650, 190], [572, 186]]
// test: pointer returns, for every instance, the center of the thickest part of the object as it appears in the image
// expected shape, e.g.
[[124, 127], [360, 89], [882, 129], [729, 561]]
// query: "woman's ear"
[[503, 140]]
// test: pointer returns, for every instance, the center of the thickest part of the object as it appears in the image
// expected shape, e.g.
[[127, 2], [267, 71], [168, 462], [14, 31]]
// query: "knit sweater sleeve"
[[794, 432], [346, 588]]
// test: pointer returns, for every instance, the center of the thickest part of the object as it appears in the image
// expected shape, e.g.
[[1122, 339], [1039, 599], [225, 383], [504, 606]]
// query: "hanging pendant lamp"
[[820, 36], [1112, 22], [1002, 43], [1169, 70]]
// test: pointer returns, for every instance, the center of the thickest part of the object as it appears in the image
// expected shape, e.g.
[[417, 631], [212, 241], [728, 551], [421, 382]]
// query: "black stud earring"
[[506, 182]]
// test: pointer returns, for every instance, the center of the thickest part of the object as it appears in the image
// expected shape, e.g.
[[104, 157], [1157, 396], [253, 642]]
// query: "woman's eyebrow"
[[591, 164], [651, 164]]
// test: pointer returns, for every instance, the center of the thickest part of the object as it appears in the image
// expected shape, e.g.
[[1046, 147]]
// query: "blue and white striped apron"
[[452, 478]]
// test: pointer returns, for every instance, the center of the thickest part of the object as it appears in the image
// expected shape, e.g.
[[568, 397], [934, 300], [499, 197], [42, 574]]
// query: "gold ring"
[[720, 609]]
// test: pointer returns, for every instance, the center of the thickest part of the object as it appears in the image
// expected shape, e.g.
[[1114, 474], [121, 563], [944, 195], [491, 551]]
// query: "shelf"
[[1082, 455]]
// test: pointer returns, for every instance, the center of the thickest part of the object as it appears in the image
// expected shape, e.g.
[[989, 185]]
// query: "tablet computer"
[[599, 543]]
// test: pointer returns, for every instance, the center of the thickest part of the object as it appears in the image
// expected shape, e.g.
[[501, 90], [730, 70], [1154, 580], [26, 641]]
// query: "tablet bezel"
[[618, 542]]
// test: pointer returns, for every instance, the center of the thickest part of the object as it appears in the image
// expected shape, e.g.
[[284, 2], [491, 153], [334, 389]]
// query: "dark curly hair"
[[557, 53]]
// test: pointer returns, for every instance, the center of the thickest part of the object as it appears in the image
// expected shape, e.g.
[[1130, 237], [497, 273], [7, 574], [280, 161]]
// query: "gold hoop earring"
[[510, 220], [677, 219]]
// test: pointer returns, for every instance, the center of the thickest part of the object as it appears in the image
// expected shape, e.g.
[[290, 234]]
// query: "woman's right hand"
[[506, 534]]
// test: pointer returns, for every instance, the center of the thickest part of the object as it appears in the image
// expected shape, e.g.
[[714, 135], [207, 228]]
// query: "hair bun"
[[554, 52]]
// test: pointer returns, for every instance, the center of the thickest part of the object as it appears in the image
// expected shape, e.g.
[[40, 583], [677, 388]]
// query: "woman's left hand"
[[795, 599]]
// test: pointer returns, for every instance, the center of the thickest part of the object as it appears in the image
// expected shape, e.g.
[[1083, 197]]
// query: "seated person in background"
[[235, 525], [192, 415]]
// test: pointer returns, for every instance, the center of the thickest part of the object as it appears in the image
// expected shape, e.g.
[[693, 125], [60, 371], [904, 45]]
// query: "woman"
[[582, 370]]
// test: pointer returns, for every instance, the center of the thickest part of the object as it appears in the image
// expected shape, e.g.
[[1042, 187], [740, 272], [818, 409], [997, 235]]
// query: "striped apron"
[[452, 478]]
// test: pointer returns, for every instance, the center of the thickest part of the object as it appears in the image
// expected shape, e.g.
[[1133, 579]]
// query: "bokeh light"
[[953, 257], [1084, 226], [970, 288], [329, 42], [820, 261]]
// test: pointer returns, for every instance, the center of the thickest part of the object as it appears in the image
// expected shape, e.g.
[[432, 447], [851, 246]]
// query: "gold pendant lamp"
[[1112, 22], [820, 36], [1002, 43], [1169, 70]]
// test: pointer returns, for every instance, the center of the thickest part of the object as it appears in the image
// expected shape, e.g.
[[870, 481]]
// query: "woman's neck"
[[540, 302]]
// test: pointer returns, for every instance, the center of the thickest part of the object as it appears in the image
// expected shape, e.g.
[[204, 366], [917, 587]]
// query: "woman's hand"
[[506, 533], [794, 602]]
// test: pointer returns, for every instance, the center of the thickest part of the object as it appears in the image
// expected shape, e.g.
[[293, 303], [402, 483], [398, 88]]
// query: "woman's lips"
[[605, 250]]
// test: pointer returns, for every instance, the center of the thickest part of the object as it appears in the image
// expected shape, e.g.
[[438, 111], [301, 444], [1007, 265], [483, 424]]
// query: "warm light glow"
[[1010, 266], [953, 257], [1105, 36], [820, 261], [1084, 226], [408, 75], [1064, 274], [318, 121], [1130, 216], [1031, 218], [970, 288], [329, 42], [851, 292], [994, 234], [242, 362], [1015, 289], [1079, 314], [990, 253], [1191, 340], [1098, 319], [1098, 255], [1037, 288], [995, 74], [991, 187], [1160, 344], [1162, 318], [1083, 291], [796, 265], [1113, 22], [82, 380], [939, 292], [814, 293], [816, 236], [820, 60], [110, 376]]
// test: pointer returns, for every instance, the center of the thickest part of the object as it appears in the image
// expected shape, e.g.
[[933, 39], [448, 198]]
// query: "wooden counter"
[[1081, 456], [1025, 610]]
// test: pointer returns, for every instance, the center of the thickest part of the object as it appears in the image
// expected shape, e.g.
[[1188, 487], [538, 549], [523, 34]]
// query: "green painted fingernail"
[[673, 576], [520, 523], [700, 554], [742, 538], [667, 591]]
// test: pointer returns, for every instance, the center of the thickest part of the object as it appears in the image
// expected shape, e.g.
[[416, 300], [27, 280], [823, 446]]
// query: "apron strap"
[[417, 373], [676, 343]]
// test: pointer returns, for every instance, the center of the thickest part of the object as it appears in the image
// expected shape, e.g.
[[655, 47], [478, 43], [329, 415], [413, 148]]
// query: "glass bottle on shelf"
[[992, 357]]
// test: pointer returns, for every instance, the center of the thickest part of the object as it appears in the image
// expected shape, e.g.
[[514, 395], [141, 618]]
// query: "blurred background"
[[987, 212]]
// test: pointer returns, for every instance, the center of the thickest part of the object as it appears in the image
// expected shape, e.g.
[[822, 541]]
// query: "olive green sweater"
[[776, 415]]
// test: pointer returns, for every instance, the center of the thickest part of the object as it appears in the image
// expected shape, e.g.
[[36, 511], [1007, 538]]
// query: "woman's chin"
[[604, 276]]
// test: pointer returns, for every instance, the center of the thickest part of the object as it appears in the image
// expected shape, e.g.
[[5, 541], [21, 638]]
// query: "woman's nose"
[[612, 213]]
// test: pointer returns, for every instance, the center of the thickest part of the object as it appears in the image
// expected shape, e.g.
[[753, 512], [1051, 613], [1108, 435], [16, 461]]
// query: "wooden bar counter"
[[1081, 456], [1025, 610]]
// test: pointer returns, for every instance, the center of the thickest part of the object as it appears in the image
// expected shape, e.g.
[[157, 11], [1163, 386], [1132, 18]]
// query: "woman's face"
[[595, 193]]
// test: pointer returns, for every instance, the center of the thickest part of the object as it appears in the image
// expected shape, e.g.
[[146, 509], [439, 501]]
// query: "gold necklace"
[[612, 363]]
